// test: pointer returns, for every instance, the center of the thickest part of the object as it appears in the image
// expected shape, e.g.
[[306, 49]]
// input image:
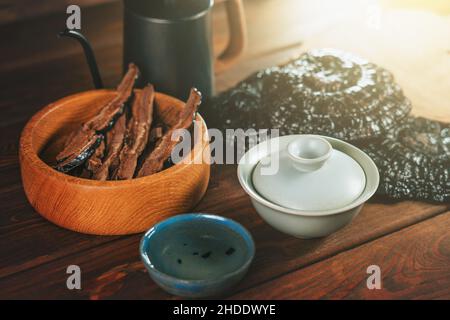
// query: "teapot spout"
[[89, 54]]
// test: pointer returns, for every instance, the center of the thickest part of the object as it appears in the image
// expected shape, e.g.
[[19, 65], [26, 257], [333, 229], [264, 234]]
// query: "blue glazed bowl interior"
[[197, 247]]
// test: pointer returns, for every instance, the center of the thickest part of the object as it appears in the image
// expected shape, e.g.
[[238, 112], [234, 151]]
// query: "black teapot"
[[171, 42]]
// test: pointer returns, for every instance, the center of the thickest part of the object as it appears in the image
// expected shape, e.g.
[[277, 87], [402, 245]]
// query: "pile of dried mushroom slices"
[[120, 144]]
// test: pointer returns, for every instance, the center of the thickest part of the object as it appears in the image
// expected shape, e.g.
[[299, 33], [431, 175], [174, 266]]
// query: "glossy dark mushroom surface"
[[340, 95], [414, 160]]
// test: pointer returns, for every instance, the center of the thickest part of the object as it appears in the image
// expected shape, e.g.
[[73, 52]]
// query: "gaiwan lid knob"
[[311, 176]]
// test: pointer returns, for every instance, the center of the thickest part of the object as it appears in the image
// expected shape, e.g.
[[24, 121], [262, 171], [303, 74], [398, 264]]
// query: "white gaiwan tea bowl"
[[307, 186]]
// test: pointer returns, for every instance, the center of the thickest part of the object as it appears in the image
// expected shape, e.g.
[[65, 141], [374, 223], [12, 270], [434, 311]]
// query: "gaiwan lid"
[[311, 176]]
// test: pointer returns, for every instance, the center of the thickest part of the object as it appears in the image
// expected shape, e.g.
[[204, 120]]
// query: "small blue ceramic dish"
[[197, 255]]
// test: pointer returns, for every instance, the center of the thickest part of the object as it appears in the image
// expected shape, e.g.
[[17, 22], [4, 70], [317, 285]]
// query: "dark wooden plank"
[[23, 41], [15, 10], [60, 67], [103, 26], [15, 116], [28, 91], [74, 244], [414, 263], [35, 253], [276, 254], [17, 213]]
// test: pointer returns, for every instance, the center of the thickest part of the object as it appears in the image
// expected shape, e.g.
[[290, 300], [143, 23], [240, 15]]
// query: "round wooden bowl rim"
[[27, 151]]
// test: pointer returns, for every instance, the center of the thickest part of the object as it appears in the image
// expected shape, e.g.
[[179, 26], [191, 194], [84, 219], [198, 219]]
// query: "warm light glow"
[[438, 6]]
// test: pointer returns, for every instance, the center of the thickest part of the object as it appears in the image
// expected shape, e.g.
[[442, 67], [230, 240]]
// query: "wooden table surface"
[[410, 241]]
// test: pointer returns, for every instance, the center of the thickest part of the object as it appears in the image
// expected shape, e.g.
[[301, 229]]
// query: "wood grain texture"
[[38, 68], [21, 227], [414, 264], [16, 10], [104, 207], [276, 253]]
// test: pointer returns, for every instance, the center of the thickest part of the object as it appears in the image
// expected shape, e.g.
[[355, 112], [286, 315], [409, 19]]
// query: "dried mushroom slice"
[[108, 114], [114, 142], [137, 132], [158, 157], [100, 123], [95, 161], [85, 152]]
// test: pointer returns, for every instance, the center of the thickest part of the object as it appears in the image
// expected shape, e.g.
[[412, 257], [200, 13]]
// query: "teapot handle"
[[89, 54], [238, 35]]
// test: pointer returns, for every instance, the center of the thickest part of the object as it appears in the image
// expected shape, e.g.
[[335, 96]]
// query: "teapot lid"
[[310, 176]]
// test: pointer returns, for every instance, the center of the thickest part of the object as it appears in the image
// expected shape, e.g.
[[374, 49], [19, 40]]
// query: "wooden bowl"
[[105, 207]]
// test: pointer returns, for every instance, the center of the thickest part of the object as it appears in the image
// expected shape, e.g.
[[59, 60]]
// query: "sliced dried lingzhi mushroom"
[[155, 134], [137, 132], [75, 146], [155, 160], [114, 143], [85, 151], [115, 106], [95, 161]]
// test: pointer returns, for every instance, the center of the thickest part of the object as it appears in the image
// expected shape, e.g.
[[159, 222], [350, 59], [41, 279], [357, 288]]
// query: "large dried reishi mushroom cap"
[[414, 160], [323, 92], [333, 93], [239, 107], [337, 94]]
